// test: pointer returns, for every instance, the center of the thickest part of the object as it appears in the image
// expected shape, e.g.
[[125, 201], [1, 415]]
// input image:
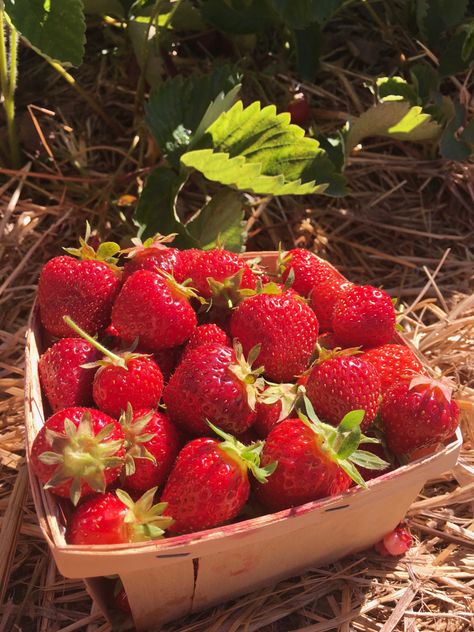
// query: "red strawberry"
[[213, 383], [113, 518], [308, 270], [168, 360], [77, 452], [364, 316], [313, 460], [228, 271], [300, 110], [185, 265], [275, 404], [209, 483], [155, 309], [64, 380], [341, 382], [324, 297], [395, 543], [122, 379], [84, 290], [284, 326], [206, 334], [152, 445], [418, 413], [151, 255], [393, 362]]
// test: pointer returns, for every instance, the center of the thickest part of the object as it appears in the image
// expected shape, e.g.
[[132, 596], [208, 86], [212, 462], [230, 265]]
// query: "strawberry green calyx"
[[251, 378], [135, 437], [327, 354], [227, 293], [158, 241], [105, 252], [341, 444], [109, 356], [180, 289], [247, 456], [288, 394], [144, 520], [81, 456]]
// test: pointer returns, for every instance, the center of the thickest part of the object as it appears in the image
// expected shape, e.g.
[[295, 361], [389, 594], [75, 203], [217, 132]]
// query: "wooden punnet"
[[171, 578]]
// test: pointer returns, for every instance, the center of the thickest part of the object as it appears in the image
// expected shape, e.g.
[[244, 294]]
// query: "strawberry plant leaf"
[[299, 14], [105, 7], [396, 119], [308, 49], [396, 89], [174, 113], [221, 220], [255, 149], [237, 17], [55, 30]]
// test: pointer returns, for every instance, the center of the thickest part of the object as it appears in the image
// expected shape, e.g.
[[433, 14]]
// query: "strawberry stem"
[[116, 359]]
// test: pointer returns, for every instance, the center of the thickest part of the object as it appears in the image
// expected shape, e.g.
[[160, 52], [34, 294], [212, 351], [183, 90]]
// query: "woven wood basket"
[[170, 578]]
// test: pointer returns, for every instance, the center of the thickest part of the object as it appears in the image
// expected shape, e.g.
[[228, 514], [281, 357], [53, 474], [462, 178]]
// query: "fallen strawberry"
[[395, 543], [209, 484], [77, 452], [113, 518]]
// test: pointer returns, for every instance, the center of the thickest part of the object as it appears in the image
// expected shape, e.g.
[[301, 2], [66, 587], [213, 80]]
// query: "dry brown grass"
[[407, 224]]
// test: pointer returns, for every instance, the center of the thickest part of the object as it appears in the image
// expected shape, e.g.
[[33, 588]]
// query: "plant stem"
[[116, 359], [8, 76]]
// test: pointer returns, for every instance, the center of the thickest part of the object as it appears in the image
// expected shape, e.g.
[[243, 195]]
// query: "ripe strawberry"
[[64, 380], [122, 379], [324, 297], [77, 452], [184, 268], [84, 290], [168, 360], [209, 484], [418, 413], [395, 543], [275, 404], [284, 326], [299, 110], [308, 270], [341, 382], [363, 316], [113, 518], [393, 362], [206, 334], [228, 271], [314, 460], [155, 309], [153, 255], [214, 383], [152, 445]]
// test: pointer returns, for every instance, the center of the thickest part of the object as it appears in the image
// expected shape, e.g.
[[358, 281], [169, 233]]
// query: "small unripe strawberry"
[[300, 110]]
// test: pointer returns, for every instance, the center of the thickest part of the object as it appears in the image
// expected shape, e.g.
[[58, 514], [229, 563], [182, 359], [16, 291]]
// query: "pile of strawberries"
[[193, 379]]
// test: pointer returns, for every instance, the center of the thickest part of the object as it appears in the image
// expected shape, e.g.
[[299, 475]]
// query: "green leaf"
[[349, 444], [237, 17], [468, 133], [434, 17], [351, 420], [425, 79], [177, 111], [394, 119], [308, 50], [396, 89], [258, 150], [105, 7], [156, 209], [221, 220], [299, 14], [144, 38], [457, 56], [55, 29]]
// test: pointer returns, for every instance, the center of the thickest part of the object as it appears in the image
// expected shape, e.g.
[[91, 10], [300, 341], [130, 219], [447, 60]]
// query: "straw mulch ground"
[[407, 225]]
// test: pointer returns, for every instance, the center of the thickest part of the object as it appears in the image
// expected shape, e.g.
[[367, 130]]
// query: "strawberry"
[[228, 273], [395, 543], [205, 334], [393, 362], [187, 259], [284, 326], [113, 518], [151, 255], [77, 452], [418, 413], [214, 383], [324, 297], [299, 110], [152, 445], [122, 379], [275, 404], [168, 360], [155, 309], [84, 290], [341, 382], [363, 316], [209, 484], [314, 460], [64, 380], [306, 269]]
